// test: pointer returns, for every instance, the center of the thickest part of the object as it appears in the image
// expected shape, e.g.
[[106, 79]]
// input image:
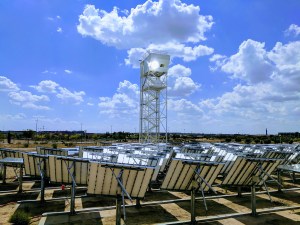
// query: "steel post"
[[253, 200], [193, 217], [239, 189], [279, 180], [73, 190], [4, 174], [138, 203], [118, 210], [20, 178]]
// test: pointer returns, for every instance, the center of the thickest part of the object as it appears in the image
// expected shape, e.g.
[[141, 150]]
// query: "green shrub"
[[70, 144], [257, 141], [54, 145], [20, 218], [248, 141], [237, 139], [227, 140], [25, 145]]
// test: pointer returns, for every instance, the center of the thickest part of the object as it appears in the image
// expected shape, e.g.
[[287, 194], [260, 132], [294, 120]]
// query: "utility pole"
[[36, 128], [81, 132]]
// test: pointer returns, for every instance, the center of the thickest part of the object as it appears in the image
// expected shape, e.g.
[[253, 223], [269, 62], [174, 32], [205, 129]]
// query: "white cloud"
[[59, 30], [18, 116], [51, 72], [179, 71], [180, 84], [184, 109], [175, 50], [7, 85], [171, 20], [54, 18], [68, 71], [46, 86], [286, 57], [67, 95], [293, 30], [216, 57], [124, 101], [27, 100], [26, 96], [270, 93], [250, 64], [184, 86], [169, 26], [179, 50], [134, 56]]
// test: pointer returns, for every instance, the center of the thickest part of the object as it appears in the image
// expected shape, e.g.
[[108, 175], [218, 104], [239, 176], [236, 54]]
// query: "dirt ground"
[[227, 210], [149, 213]]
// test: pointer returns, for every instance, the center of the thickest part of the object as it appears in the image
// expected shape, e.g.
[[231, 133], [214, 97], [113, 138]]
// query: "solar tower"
[[153, 98]]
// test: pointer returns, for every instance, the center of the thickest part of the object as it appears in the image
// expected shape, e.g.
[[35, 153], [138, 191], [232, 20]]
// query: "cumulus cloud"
[[293, 30], [67, 95], [169, 26], [7, 85], [270, 88], [186, 53], [184, 86], [183, 113], [28, 100], [180, 84], [171, 21], [250, 64], [46, 86], [49, 86], [179, 71], [124, 101]]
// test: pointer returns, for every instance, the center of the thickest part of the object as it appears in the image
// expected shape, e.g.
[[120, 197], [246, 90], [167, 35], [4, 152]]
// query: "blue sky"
[[235, 65]]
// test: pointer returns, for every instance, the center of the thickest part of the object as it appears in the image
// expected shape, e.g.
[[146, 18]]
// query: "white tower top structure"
[[153, 98]]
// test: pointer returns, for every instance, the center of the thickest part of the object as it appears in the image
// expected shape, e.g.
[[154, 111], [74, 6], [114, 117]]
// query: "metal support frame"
[[4, 174], [120, 200], [239, 190], [253, 200], [138, 203], [17, 163], [42, 174], [257, 180], [197, 173], [262, 172], [195, 184], [279, 178], [193, 200], [73, 188], [20, 178], [118, 210]]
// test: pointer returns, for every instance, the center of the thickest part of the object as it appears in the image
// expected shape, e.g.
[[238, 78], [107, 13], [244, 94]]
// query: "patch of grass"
[[20, 218]]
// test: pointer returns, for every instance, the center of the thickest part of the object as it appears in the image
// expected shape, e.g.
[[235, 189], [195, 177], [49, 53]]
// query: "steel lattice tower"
[[153, 98]]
